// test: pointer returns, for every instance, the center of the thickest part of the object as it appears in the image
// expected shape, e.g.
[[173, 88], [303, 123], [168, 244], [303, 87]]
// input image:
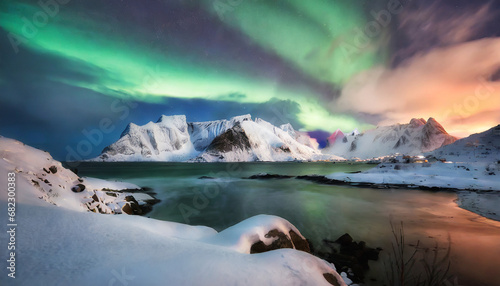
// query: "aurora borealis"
[[321, 65]]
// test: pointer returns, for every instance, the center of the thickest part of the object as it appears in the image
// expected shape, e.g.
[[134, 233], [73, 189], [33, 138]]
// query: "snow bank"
[[460, 176], [45, 178]]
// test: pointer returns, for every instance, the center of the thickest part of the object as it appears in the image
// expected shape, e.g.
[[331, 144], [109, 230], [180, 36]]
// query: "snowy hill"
[[414, 138], [480, 147], [238, 139], [45, 181]]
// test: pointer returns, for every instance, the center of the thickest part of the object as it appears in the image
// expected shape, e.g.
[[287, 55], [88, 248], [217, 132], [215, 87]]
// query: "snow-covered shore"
[[478, 184], [59, 241], [459, 176]]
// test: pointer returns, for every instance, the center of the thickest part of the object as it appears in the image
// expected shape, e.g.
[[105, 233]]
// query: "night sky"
[[73, 70]]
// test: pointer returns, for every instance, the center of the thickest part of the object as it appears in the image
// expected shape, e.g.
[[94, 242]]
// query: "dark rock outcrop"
[[78, 188], [292, 240], [53, 169], [351, 256], [234, 138], [331, 279], [262, 176]]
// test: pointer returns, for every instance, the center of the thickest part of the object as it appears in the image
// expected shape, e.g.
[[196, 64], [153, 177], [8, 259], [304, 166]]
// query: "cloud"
[[424, 26], [445, 83]]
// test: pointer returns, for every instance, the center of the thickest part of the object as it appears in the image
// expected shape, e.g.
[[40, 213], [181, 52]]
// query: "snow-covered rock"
[[40, 180], [259, 230], [414, 138], [240, 138], [480, 147]]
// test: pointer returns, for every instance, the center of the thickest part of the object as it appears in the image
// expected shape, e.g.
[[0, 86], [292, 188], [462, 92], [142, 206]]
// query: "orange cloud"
[[451, 84]]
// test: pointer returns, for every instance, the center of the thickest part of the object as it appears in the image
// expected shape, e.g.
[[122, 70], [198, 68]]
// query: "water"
[[318, 211]]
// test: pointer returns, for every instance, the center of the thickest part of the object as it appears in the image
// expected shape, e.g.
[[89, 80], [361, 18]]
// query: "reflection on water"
[[318, 211]]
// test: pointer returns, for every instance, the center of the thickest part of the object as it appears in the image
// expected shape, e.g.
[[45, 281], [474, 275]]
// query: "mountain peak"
[[170, 118], [432, 123], [335, 136], [417, 122]]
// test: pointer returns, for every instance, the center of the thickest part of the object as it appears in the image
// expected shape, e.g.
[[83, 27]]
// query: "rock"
[[269, 176], [344, 240], [53, 169], [133, 207], [131, 199], [299, 242], [352, 255], [78, 188], [127, 209], [206, 177], [331, 279], [282, 241], [233, 139]]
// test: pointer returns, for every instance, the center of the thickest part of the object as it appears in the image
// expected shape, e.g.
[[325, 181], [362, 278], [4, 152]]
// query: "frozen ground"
[[60, 242]]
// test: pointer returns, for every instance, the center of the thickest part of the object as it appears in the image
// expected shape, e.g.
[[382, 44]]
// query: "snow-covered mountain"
[[480, 147], [238, 139], [414, 138]]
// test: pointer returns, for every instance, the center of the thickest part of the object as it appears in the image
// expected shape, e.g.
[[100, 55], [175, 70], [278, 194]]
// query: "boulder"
[[53, 169], [331, 279], [293, 240], [127, 209], [132, 207], [299, 242], [78, 188]]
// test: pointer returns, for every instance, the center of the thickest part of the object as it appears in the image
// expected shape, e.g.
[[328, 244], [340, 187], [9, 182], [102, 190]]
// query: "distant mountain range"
[[238, 139], [414, 138], [242, 139]]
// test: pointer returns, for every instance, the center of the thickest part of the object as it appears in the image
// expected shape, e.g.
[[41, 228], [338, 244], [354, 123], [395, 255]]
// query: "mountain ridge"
[[414, 138], [237, 139]]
